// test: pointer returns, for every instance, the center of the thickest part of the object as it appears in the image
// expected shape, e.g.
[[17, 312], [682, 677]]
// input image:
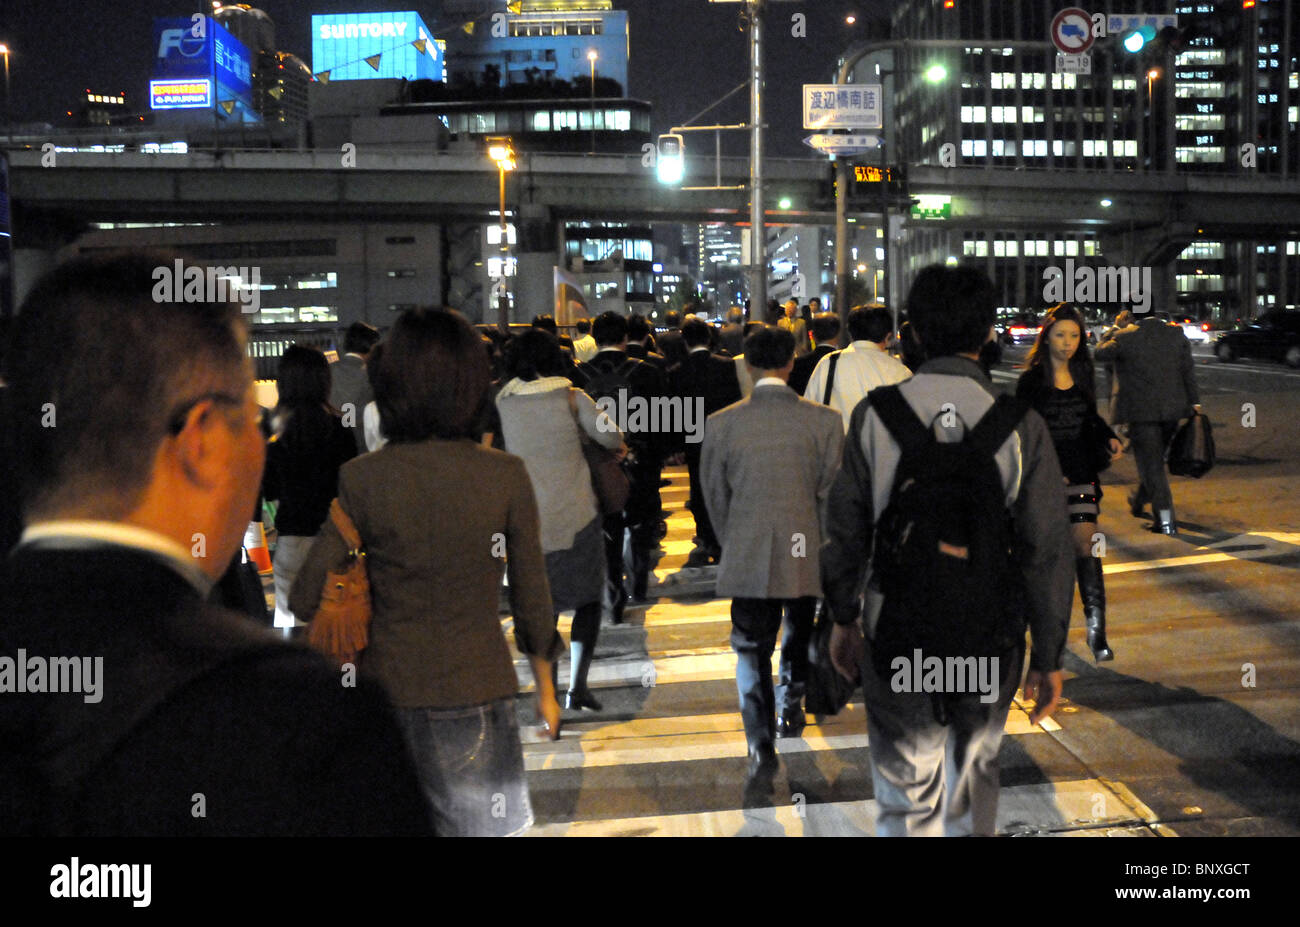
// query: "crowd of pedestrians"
[[460, 459]]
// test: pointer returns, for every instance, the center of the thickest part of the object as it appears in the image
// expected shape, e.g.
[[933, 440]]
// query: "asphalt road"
[[1194, 728]]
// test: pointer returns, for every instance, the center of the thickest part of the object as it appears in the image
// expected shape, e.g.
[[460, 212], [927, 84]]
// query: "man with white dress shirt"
[[862, 366]]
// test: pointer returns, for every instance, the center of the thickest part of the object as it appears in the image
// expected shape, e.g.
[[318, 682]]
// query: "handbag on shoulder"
[[608, 478], [341, 628]]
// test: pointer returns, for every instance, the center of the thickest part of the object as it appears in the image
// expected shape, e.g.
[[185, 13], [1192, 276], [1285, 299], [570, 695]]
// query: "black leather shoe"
[[578, 699], [1136, 507], [1164, 522], [791, 724]]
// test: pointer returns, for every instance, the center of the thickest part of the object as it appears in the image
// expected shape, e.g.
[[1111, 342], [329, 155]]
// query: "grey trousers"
[[933, 780], [1150, 441]]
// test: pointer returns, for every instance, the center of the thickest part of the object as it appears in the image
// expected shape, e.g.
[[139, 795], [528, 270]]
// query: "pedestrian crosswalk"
[[667, 755]]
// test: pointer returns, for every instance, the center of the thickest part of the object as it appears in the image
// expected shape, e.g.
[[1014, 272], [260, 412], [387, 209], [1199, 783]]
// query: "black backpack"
[[943, 555], [604, 382]]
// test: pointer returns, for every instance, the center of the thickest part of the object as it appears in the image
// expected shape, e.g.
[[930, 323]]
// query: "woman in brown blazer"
[[440, 517]]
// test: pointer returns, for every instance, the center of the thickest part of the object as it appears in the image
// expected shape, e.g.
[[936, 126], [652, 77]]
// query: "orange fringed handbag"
[[341, 628]]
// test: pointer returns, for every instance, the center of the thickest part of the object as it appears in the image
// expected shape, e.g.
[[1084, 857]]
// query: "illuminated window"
[[494, 234]]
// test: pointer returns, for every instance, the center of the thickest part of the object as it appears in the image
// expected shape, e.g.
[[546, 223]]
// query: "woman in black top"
[[1059, 384], [302, 464]]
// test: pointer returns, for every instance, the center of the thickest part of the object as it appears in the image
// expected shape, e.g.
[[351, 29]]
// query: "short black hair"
[[433, 377], [951, 309], [609, 328], [360, 338], [769, 348], [825, 327], [100, 344], [637, 327], [695, 332], [735, 314], [870, 323], [673, 318], [583, 326], [534, 353], [546, 323]]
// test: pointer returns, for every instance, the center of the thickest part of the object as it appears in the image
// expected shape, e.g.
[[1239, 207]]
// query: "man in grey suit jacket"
[[349, 383], [767, 465], [1157, 389]]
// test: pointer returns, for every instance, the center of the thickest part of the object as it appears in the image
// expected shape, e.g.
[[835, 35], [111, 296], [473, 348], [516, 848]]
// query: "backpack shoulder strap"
[[830, 377], [908, 430], [998, 423]]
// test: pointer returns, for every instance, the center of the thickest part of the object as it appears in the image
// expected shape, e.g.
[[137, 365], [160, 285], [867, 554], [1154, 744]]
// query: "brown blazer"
[[436, 518]]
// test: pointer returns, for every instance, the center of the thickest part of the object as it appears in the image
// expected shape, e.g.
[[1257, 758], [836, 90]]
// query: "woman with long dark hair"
[[542, 416], [440, 518], [309, 444], [1059, 383]]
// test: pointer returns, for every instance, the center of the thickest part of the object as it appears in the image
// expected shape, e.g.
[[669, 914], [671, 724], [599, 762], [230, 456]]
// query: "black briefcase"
[[827, 691], [1191, 452]]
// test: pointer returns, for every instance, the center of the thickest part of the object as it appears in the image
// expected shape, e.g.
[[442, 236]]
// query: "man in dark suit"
[[709, 380], [731, 337], [771, 531], [638, 337], [1157, 390], [349, 384], [825, 335], [670, 341], [617, 381], [170, 716]]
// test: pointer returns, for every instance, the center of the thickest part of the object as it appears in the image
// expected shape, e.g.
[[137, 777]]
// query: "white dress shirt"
[[862, 367]]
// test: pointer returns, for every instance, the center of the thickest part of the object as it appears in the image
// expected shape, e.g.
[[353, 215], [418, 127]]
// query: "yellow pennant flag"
[[227, 105], [469, 27], [323, 77], [420, 45], [276, 92], [373, 61]]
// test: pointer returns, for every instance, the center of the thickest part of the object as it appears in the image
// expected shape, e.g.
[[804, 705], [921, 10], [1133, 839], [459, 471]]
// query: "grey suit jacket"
[[1153, 365], [766, 468], [350, 384]]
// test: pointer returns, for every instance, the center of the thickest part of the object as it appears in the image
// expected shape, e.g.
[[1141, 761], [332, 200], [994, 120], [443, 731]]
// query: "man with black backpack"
[[621, 381], [961, 495]]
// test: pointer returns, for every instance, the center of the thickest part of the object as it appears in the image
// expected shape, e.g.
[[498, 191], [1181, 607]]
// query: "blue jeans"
[[471, 768]]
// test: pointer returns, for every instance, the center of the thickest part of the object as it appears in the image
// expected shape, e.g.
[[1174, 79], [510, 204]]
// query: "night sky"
[[685, 53]]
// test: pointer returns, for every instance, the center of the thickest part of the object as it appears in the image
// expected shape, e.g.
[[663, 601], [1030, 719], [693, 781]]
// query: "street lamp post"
[[592, 56], [501, 150], [4, 50]]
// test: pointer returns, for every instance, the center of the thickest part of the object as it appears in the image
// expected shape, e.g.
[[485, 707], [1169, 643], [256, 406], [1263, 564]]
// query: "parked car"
[[1273, 336], [1196, 332]]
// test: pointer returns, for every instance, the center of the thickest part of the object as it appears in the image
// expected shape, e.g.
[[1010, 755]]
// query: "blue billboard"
[[346, 45], [199, 65]]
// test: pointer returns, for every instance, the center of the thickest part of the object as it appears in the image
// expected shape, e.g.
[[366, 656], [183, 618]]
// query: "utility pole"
[[758, 229]]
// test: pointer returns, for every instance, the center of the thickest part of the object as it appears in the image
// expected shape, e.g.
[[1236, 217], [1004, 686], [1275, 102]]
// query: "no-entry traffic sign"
[[1072, 31]]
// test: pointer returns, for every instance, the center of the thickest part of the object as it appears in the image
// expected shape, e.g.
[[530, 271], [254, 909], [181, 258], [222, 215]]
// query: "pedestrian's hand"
[[1044, 689], [846, 650], [622, 452], [548, 709], [1116, 448]]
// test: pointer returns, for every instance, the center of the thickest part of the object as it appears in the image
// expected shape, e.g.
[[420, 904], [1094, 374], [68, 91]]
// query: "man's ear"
[[197, 448]]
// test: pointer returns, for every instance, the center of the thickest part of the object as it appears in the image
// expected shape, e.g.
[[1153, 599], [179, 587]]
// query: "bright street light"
[[1105, 204], [502, 150], [936, 74]]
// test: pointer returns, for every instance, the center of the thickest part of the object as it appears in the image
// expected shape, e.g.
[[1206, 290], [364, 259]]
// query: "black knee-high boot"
[[1092, 590], [582, 647]]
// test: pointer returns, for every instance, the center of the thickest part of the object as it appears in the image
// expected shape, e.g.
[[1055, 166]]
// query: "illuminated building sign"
[[360, 46], [180, 94], [197, 63]]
